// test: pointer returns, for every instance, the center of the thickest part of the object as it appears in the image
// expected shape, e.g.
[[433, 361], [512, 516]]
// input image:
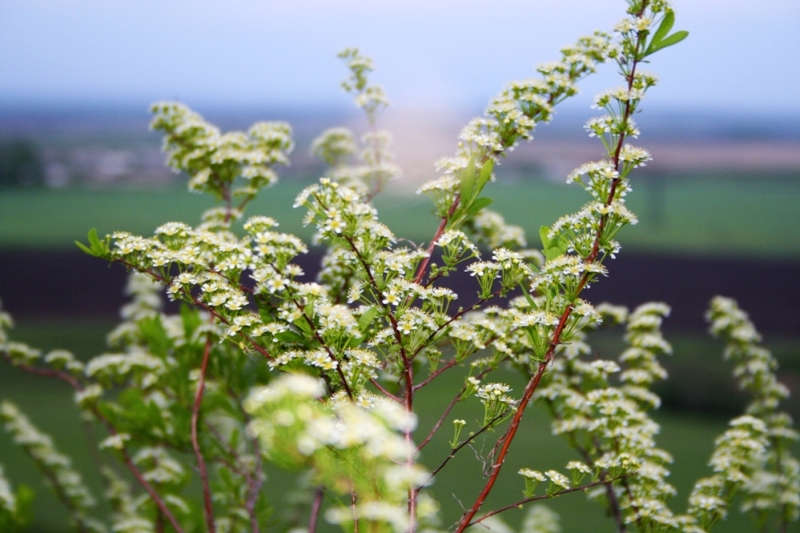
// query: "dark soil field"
[[70, 284]]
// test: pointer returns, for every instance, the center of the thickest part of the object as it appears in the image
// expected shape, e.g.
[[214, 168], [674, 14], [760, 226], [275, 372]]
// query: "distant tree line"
[[20, 163]]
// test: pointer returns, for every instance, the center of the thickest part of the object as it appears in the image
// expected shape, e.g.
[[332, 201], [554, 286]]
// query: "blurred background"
[[719, 206]]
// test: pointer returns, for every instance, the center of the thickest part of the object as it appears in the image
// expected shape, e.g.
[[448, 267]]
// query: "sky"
[[741, 56]]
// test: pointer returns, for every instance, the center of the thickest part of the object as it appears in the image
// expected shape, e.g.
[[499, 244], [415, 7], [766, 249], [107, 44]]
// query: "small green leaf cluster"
[[15, 506]]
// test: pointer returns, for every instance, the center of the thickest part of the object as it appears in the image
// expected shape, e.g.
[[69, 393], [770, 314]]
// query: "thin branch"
[[254, 485], [447, 411], [506, 440], [556, 340], [384, 391], [201, 463], [47, 372], [162, 507], [423, 266], [433, 375], [441, 420], [543, 497], [316, 506], [471, 438], [355, 514], [260, 349]]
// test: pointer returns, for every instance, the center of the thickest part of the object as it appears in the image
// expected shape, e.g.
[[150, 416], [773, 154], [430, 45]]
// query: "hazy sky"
[[741, 54]]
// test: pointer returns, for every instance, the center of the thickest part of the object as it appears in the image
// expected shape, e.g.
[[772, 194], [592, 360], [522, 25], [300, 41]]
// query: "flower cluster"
[[736, 455], [214, 160], [350, 448], [511, 116], [772, 488], [375, 160], [609, 422]]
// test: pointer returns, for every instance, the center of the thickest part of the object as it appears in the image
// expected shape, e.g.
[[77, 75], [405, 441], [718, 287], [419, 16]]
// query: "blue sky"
[[742, 55]]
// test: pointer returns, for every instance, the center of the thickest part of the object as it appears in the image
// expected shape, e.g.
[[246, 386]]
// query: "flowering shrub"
[[263, 365]]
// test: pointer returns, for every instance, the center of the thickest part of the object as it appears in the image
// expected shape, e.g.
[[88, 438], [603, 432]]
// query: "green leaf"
[[156, 336], [94, 240], [552, 253], [190, 318], [303, 326], [235, 438], [477, 205], [554, 247], [84, 248], [96, 247], [225, 476], [468, 182], [366, 319], [486, 173], [543, 232], [528, 296], [289, 336], [673, 39], [664, 28]]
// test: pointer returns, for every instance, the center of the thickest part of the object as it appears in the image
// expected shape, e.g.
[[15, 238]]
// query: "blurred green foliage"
[[20, 164]]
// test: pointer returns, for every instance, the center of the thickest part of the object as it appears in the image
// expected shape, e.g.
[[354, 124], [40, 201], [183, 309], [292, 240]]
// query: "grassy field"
[[706, 216], [686, 434]]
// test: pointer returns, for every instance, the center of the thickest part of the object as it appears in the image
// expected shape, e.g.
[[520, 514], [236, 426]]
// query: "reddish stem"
[[534, 382], [447, 411], [543, 497], [316, 506], [423, 266], [441, 420], [384, 391], [506, 440], [201, 463]]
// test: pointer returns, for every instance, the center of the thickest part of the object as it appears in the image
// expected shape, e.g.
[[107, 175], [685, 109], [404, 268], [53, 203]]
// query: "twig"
[[471, 438], [543, 497], [201, 463], [384, 391], [447, 411], [316, 506], [433, 375]]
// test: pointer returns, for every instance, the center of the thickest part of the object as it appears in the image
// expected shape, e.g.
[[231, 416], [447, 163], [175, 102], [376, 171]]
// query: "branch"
[[316, 506], [471, 438], [447, 411], [520, 503], [47, 372], [201, 464], [506, 440], [384, 391], [433, 375], [260, 349]]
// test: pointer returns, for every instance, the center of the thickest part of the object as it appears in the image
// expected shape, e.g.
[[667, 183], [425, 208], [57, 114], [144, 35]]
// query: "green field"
[[759, 217], [689, 436]]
